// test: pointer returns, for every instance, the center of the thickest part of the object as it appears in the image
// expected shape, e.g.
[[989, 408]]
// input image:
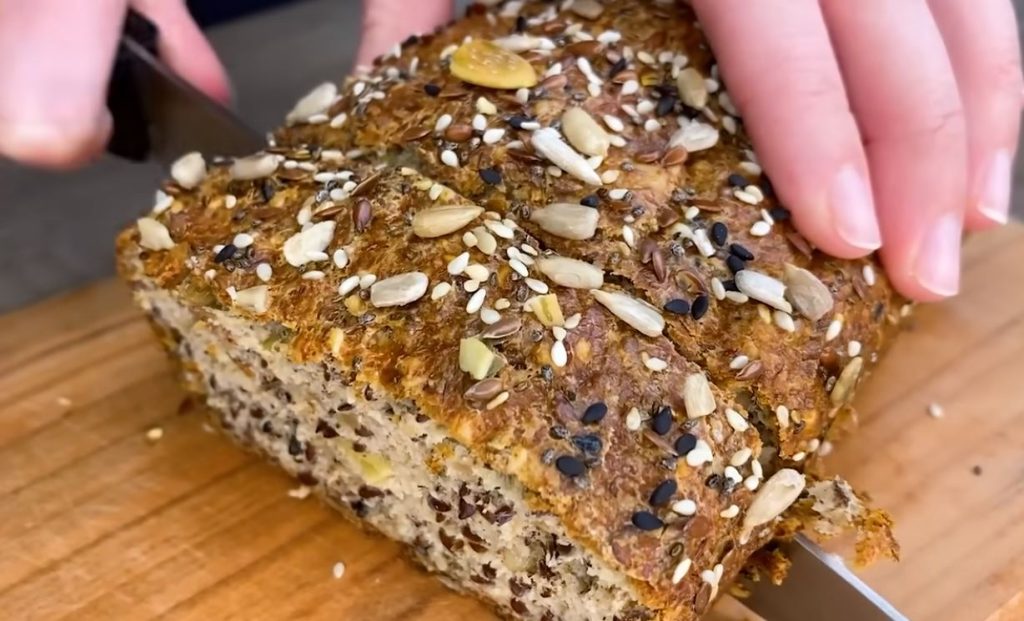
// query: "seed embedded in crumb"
[[338, 570], [935, 410], [154, 434]]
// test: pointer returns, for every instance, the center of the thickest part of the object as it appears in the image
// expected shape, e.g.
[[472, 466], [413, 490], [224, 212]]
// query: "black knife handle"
[[130, 136]]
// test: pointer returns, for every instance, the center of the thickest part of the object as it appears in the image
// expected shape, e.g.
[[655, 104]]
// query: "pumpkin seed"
[[548, 143], [153, 235], [697, 396], [399, 290], [571, 273], [843, 390], [763, 288], [808, 294], [475, 358], [548, 310], [583, 132], [438, 221], [567, 220], [692, 89], [253, 167], [486, 64], [639, 314], [189, 170], [775, 496]]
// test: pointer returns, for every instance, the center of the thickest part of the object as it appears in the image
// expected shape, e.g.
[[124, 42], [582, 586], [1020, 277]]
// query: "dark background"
[[57, 229]]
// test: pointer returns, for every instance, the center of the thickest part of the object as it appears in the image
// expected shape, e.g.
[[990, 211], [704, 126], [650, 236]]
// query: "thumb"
[[386, 22]]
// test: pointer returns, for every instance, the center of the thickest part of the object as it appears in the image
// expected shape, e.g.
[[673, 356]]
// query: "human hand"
[[57, 58], [882, 124], [387, 22]]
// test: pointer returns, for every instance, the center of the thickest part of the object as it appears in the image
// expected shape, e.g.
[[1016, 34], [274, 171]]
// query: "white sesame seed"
[[782, 415], [764, 313], [618, 194], [471, 286], [469, 239], [760, 229], [523, 95], [616, 140], [518, 266], [338, 570], [758, 195], [493, 135], [340, 258], [313, 275], [853, 348], [682, 568], [476, 301], [691, 212], [746, 197], [825, 448], [718, 289], [767, 217], [449, 158], [684, 507], [645, 57], [479, 122], [652, 125], [610, 176], [242, 240], [264, 271], [631, 111], [633, 420], [751, 168], [614, 123], [554, 171], [442, 123], [736, 420], [573, 321], [628, 235], [655, 364], [869, 274], [502, 303], [738, 362], [530, 126], [630, 86], [458, 265], [732, 474], [755, 467], [609, 36], [751, 483], [484, 106], [800, 456], [528, 249], [536, 285], [935, 410], [729, 124], [440, 290], [784, 321], [554, 69], [559, 333], [153, 434], [730, 512], [477, 272], [645, 106], [559, 357], [339, 120], [495, 402], [489, 315], [740, 457], [348, 285], [834, 328], [230, 201], [366, 281], [500, 229], [594, 89]]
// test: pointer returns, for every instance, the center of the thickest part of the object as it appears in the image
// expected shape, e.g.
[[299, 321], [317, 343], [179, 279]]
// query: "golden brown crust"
[[412, 352]]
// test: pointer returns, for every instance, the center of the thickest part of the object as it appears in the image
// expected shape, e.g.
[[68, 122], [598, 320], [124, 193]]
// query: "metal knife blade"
[[818, 586], [159, 115]]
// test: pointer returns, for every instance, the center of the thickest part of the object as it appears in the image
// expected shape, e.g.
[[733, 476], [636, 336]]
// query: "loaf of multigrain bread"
[[521, 298]]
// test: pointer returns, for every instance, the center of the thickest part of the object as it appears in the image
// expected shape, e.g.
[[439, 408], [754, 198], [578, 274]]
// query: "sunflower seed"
[[189, 170], [315, 102], [775, 496], [571, 273], [253, 167], [583, 132], [763, 288], [548, 143], [639, 314], [697, 396], [568, 220], [399, 290], [809, 296], [843, 389], [692, 89], [438, 221]]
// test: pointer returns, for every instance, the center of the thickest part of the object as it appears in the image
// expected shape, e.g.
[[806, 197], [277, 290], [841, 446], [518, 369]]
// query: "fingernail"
[[937, 267], [853, 210], [994, 192]]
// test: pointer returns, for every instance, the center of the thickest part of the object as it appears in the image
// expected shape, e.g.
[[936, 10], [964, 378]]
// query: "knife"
[[158, 115], [818, 586]]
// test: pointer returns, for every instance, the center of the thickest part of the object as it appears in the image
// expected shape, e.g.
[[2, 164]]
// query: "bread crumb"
[[154, 434], [300, 492], [339, 570], [935, 410], [64, 402]]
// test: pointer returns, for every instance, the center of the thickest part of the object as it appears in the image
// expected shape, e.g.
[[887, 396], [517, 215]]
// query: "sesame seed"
[[678, 306], [614, 123], [685, 507], [834, 328], [348, 285], [449, 158], [646, 521], [730, 512], [570, 466], [740, 457], [700, 306], [681, 570], [153, 434], [652, 125], [610, 176], [633, 419], [618, 194], [853, 348], [782, 415], [479, 122], [313, 275], [523, 95], [629, 236], [495, 402], [799, 456], [745, 196], [757, 469], [630, 87], [484, 106], [691, 212], [559, 356], [935, 410], [663, 493], [655, 364], [572, 321], [661, 422], [435, 191], [751, 483], [869, 274], [500, 229], [685, 443], [493, 135], [645, 106], [476, 301], [784, 321], [536, 285], [340, 258], [442, 123], [736, 420], [440, 290], [459, 264], [559, 333], [760, 228], [594, 413], [738, 362], [489, 316]]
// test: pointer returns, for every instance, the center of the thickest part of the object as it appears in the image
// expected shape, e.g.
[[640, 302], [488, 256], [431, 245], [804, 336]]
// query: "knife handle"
[[130, 136]]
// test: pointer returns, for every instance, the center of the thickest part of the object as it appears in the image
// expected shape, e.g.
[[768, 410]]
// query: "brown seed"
[[552, 27], [800, 243], [458, 133], [452, 91], [750, 371], [415, 133], [292, 174], [584, 48], [366, 185], [703, 599], [362, 215], [503, 328], [484, 390], [658, 263], [554, 82], [697, 528], [674, 156], [647, 249], [667, 217], [648, 157], [525, 156], [624, 76]]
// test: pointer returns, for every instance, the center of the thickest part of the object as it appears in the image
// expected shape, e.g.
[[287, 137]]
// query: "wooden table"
[[99, 522]]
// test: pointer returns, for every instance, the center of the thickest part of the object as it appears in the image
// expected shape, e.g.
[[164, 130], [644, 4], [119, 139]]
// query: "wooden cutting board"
[[99, 522]]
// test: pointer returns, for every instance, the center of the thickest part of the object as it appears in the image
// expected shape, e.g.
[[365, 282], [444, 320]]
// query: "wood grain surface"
[[99, 522]]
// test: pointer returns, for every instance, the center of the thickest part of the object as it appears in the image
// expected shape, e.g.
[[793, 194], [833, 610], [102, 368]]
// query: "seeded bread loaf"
[[521, 298]]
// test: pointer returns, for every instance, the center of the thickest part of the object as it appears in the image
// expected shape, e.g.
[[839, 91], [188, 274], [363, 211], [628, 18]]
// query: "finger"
[[905, 97], [184, 48], [981, 38], [386, 22], [786, 82], [57, 57]]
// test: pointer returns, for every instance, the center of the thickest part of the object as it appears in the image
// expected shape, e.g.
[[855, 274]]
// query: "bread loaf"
[[521, 298]]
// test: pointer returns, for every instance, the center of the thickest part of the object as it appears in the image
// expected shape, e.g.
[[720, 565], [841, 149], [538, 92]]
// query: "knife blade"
[[158, 115], [818, 586]]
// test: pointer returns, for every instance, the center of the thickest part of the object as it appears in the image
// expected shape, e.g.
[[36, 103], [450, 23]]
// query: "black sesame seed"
[[491, 176], [294, 446], [719, 233], [663, 493], [521, 23], [737, 180], [713, 481], [517, 121], [226, 253], [411, 40], [661, 422], [700, 306], [730, 285], [591, 200], [779, 214], [741, 251], [570, 466], [769, 190], [588, 444], [685, 443], [735, 263], [665, 105], [678, 306], [618, 67], [645, 520], [594, 413], [432, 89], [267, 190]]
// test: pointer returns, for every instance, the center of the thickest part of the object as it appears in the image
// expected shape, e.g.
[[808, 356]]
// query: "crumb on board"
[[64, 402], [935, 410], [153, 434], [338, 570], [976, 470], [300, 492]]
